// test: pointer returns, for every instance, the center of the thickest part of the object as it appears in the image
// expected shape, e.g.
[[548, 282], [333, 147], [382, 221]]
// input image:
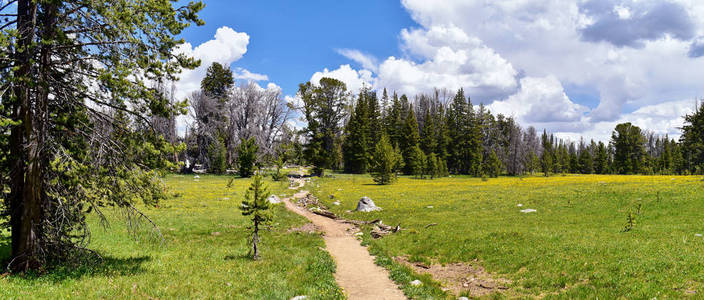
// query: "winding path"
[[356, 272]]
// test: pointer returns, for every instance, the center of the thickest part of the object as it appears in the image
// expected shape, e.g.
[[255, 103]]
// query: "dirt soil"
[[461, 277], [356, 272]]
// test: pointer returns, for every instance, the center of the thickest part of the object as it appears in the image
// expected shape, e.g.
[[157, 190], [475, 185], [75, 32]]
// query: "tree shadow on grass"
[[87, 265]]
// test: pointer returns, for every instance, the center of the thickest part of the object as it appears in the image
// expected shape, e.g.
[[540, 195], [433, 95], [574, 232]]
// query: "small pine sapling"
[[278, 176], [255, 204]]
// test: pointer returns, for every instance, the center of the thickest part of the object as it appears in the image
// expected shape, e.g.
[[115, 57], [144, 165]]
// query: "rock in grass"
[[528, 210], [462, 298], [416, 282], [273, 199], [698, 234], [299, 298], [366, 204]]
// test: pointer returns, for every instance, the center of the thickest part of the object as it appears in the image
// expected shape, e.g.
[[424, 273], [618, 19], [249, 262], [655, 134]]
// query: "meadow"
[[575, 245], [203, 253]]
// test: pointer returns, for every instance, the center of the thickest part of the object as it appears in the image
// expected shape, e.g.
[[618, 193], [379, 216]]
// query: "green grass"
[[572, 247], [191, 262]]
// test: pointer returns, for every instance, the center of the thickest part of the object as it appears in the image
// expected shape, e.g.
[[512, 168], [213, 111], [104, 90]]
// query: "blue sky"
[[573, 67], [290, 40]]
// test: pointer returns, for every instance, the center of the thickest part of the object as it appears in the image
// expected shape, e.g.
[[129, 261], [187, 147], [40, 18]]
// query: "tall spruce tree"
[[692, 141], [457, 123], [629, 149], [324, 108], [386, 161], [69, 67], [356, 147], [409, 143]]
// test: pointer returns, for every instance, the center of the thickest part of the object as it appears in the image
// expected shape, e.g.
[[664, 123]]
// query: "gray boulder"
[[366, 204], [273, 199]]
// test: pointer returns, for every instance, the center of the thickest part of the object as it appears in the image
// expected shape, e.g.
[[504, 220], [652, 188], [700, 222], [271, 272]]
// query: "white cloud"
[[367, 61], [540, 100], [352, 78], [244, 74], [544, 38], [227, 47]]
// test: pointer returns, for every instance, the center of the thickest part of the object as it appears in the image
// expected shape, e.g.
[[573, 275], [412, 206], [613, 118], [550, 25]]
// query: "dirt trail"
[[356, 272]]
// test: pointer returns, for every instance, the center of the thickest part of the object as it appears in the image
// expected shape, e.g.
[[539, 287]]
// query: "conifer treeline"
[[439, 135]]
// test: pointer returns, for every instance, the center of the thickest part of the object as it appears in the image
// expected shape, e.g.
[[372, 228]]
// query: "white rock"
[[519, 205], [698, 234], [528, 210], [336, 203], [299, 298], [429, 206], [273, 199], [366, 204], [462, 298], [416, 282]]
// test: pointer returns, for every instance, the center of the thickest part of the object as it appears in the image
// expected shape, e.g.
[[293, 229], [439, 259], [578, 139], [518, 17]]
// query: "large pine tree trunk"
[[26, 176]]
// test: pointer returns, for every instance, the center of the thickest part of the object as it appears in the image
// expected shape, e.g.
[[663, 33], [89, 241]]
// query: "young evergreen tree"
[[492, 166], [256, 205], [431, 166], [416, 162], [386, 161], [247, 156], [217, 157]]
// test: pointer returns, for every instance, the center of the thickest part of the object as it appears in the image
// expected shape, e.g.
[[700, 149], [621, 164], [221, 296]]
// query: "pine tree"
[[547, 157], [492, 167], [456, 124], [428, 140], [629, 149], [386, 161], [416, 162], [247, 156], [431, 166], [67, 66], [474, 141], [217, 82], [216, 156], [324, 108], [586, 163], [256, 205], [356, 147], [601, 160], [692, 141], [409, 142]]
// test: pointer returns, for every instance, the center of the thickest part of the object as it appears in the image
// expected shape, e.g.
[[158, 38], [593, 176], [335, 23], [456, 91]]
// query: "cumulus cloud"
[[631, 26], [540, 100], [226, 47], [634, 54], [438, 57], [354, 79]]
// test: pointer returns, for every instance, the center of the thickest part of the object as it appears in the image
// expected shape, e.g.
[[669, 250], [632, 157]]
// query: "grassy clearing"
[[203, 254], [572, 247]]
